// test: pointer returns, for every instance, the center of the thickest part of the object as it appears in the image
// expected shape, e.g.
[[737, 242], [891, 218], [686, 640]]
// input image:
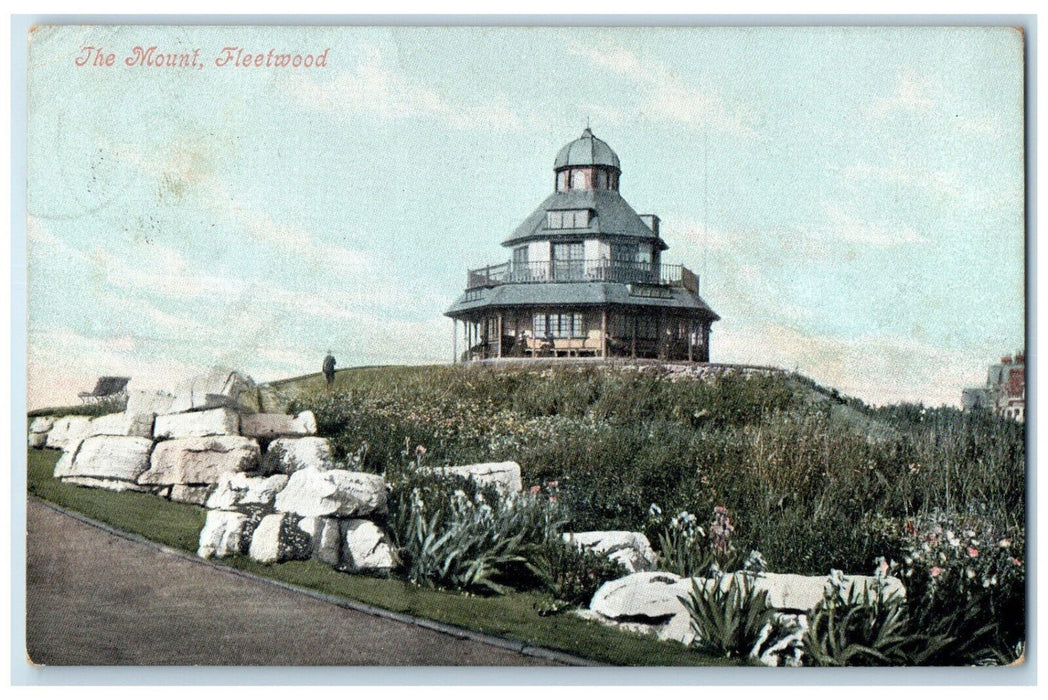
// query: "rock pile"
[[652, 602], [270, 485]]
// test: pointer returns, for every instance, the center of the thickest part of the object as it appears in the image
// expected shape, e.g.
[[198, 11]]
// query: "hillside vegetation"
[[814, 481]]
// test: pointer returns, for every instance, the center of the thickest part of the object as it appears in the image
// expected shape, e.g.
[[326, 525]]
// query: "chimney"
[[1006, 360], [1020, 358]]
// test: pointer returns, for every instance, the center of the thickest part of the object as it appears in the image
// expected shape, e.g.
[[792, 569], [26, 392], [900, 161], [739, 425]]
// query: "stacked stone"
[[304, 510]]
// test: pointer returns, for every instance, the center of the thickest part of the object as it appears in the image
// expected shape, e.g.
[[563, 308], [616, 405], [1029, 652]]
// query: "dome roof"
[[586, 150]]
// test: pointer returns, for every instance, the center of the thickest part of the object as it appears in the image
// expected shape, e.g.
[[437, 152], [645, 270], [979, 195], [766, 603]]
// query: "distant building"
[[585, 278], [1005, 390]]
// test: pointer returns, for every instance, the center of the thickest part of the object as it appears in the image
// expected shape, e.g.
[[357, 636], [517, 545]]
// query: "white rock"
[[200, 460], [67, 430], [326, 538], [225, 533], [64, 465], [278, 538], [38, 440], [144, 401], [236, 490], [365, 546], [217, 421], [288, 455], [219, 387], [122, 424], [504, 476], [307, 421], [631, 549], [195, 495], [107, 484], [337, 492], [108, 457], [648, 594], [41, 424], [803, 593], [273, 425], [678, 629]]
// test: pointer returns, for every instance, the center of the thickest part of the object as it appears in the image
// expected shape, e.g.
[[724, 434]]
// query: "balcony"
[[582, 271]]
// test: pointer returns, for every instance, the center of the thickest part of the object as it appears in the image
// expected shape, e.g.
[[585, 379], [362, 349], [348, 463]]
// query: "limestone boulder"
[[41, 424], [278, 538], [504, 476], [225, 533], [630, 549], [336, 492], [325, 536], [645, 596], [145, 401], [288, 455], [64, 465], [365, 547], [218, 388], [237, 490], [107, 457], [67, 430], [267, 426], [122, 424], [200, 460], [38, 430], [794, 592], [194, 495], [217, 421]]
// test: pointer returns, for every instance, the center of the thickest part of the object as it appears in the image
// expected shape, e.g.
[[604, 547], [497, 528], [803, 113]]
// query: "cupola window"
[[570, 218]]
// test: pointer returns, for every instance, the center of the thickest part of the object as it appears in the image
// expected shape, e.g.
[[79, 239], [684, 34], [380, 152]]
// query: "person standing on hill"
[[329, 369]]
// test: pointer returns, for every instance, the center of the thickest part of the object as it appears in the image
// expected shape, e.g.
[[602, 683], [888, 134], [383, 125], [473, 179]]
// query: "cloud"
[[666, 95], [879, 369], [910, 96], [375, 88], [841, 225]]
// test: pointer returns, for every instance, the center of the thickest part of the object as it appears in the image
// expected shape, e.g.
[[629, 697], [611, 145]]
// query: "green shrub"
[[572, 574], [727, 615], [452, 534], [863, 627]]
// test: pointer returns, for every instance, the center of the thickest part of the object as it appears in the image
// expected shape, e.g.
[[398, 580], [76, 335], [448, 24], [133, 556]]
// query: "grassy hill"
[[813, 480]]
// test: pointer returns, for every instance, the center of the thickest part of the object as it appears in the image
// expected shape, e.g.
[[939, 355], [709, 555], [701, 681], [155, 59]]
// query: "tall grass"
[[810, 478]]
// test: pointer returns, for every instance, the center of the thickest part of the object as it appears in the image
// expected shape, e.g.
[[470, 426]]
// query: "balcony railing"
[[578, 271]]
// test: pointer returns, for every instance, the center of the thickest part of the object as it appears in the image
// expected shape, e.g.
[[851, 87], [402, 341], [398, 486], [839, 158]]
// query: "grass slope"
[[178, 525]]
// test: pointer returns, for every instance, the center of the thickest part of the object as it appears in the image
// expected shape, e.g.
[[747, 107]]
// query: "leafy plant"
[[727, 615], [572, 574], [854, 626]]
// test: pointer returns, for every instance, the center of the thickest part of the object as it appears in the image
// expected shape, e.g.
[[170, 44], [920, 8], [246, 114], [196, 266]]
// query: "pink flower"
[[973, 552], [535, 490], [1017, 562], [935, 571]]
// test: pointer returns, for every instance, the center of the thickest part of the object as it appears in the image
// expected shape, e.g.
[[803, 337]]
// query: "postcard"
[[369, 346]]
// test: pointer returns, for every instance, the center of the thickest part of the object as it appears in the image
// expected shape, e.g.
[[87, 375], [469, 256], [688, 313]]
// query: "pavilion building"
[[585, 278]]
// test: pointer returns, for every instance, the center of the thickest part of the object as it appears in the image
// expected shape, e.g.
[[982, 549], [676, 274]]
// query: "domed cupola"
[[587, 163]]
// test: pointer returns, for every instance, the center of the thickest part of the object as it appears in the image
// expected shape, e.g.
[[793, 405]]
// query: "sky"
[[852, 198]]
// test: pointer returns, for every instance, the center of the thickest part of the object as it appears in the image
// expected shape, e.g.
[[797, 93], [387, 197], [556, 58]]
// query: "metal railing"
[[602, 270]]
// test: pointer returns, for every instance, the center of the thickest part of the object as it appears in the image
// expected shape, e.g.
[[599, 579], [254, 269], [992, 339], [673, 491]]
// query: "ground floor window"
[[559, 326]]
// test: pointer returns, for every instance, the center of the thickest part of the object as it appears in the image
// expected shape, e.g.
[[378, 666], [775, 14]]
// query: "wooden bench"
[[105, 388]]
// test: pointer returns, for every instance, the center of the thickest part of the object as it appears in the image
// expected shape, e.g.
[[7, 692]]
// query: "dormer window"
[[568, 218]]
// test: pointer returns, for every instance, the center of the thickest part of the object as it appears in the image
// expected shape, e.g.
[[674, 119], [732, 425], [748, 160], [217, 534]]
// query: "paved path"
[[98, 599]]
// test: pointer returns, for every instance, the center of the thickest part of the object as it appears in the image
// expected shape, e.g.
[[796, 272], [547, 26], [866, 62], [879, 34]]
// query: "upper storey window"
[[570, 218], [587, 178]]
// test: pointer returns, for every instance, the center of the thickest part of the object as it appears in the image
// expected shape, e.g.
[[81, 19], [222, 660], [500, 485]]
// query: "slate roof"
[[586, 150], [579, 294], [614, 217]]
